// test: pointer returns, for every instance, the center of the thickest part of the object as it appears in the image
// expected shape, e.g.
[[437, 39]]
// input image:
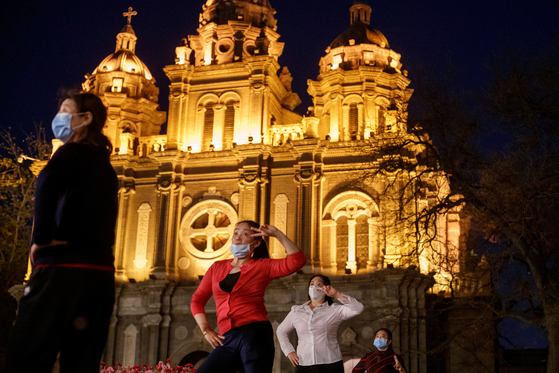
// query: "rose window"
[[207, 227]]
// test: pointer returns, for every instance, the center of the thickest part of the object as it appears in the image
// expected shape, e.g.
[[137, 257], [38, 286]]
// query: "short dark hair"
[[88, 102], [388, 332], [262, 250], [326, 281]]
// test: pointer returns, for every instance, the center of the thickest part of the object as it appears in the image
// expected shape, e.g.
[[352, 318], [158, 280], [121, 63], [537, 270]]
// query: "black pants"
[[248, 348], [337, 367], [64, 310]]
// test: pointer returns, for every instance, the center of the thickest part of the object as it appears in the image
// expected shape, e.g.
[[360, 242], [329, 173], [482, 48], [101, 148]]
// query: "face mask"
[[315, 294], [240, 251], [62, 126], [381, 343]]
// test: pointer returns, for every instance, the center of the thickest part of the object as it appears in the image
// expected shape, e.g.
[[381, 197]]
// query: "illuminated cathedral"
[[235, 149]]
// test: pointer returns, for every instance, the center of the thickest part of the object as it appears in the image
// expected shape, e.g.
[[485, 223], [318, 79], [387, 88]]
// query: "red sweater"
[[245, 304]]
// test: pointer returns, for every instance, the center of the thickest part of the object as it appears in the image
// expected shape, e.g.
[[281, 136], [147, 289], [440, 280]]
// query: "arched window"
[[353, 121], [228, 126], [207, 135]]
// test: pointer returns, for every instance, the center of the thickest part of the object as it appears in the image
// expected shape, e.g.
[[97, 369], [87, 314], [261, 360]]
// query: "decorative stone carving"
[[183, 263], [142, 236], [181, 333], [152, 319], [212, 191], [235, 198], [368, 332], [348, 337], [186, 201]]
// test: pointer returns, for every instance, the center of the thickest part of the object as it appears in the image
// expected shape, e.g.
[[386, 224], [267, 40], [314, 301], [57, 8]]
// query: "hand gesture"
[[398, 366], [294, 358], [213, 338], [265, 230], [329, 291]]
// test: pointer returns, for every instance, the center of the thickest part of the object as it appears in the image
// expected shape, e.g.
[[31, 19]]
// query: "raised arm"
[[271, 231], [351, 306]]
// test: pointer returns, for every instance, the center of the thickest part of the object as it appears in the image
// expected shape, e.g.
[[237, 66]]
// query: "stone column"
[[162, 212], [360, 121], [151, 340], [166, 312], [249, 191], [110, 347], [124, 194], [304, 179], [344, 136], [374, 261], [199, 131], [328, 249], [174, 219], [335, 125], [351, 262]]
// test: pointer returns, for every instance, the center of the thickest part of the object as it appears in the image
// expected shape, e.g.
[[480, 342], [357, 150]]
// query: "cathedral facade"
[[236, 150]]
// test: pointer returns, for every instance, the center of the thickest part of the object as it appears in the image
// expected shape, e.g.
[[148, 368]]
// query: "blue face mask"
[[240, 251], [62, 126], [381, 343]]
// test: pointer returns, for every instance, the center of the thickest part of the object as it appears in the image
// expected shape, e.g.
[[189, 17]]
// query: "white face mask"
[[315, 294], [240, 251]]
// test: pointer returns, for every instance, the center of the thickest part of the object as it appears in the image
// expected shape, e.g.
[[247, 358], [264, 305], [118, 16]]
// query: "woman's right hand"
[[35, 248], [213, 338], [294, 358]]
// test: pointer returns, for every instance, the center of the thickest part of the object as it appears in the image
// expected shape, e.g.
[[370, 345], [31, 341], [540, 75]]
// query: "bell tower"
[[360, 91], [228, 91], [128, 90]]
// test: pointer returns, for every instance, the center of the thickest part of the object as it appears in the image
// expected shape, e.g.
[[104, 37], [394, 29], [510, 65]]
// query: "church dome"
[[126, 61], [360, 33]]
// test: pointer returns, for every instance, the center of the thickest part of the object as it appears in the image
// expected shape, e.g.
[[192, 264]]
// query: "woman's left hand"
[[398, 366], [265, 230], [330, 291]]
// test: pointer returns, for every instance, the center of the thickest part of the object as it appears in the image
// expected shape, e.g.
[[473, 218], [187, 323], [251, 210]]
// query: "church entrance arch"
[[195, 358]]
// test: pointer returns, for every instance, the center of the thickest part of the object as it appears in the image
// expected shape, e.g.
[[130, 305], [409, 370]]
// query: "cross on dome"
[[129, 14]]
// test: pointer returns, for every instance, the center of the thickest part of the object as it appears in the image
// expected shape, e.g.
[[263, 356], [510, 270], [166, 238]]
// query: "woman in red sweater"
[[383, 359], [245, 339]]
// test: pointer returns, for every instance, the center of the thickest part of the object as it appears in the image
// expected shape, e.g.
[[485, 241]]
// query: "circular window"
[[225, 46], [206, 229]]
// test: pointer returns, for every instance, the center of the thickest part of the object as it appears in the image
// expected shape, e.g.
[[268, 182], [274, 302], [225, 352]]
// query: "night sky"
[[48, 45]]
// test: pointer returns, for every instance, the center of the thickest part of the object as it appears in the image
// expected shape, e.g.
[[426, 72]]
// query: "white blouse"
[[317, 330]]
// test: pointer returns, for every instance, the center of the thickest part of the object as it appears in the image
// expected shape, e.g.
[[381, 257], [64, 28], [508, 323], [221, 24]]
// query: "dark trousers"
[[337, 367], [248, 348], [64, 310]]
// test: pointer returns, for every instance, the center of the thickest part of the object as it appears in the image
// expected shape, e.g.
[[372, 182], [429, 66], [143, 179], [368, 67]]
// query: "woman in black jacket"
[[68, 301]]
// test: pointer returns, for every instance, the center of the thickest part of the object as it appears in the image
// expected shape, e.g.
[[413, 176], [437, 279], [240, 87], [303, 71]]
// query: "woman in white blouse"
[[316, 323]]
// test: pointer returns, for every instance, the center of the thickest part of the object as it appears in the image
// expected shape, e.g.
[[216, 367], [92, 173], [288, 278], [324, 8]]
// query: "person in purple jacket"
[[67, 302]]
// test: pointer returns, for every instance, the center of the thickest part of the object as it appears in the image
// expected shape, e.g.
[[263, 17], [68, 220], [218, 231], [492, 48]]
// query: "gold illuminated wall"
[[236, 150]]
